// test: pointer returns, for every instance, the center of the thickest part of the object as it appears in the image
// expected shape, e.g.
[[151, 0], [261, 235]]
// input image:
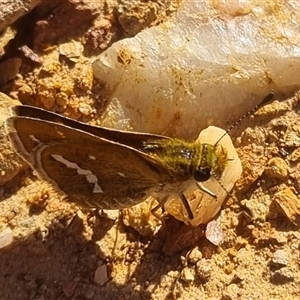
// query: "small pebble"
[[112, 214], [101, 275], [231, 292], [297, 184], [238, 277], [288, 205], [187, 276], [150, 288], [10, 215], [42, 233], [234, 221], [214, 233], [277, 168], [194, 255], [280, 259], [204, 269], [295, 155], [137, 288], [6, 237]]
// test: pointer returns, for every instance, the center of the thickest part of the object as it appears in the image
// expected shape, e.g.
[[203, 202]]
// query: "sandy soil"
[[61, 251]]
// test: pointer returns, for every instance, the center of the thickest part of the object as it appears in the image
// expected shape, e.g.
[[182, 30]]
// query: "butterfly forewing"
[[132, 139], [84, 166]]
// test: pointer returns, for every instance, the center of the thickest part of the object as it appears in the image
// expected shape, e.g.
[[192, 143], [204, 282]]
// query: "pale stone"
[[208, 64]]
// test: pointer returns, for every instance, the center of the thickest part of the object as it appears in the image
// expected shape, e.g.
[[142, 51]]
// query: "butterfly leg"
[[157, 207], [206, 190], [187, 206], [184, 202]]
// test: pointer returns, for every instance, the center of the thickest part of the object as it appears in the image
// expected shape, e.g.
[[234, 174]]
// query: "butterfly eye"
[[202, 175]]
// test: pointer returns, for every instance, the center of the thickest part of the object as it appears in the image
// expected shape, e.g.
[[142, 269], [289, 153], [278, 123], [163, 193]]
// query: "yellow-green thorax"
[[188, 159]]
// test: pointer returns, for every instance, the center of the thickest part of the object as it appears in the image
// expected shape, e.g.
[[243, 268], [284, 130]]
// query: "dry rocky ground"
[[60, 251]]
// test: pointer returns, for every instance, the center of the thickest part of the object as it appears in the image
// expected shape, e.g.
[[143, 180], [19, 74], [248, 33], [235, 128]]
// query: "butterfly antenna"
[[219, 181], [268, 98]]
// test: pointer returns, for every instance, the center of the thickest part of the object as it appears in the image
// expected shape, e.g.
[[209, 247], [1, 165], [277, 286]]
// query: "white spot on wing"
[[90, 177], [92, 157], [122, 175]]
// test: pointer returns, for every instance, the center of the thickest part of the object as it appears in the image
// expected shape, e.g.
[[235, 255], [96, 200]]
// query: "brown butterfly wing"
[[131, 139], [89, 169]]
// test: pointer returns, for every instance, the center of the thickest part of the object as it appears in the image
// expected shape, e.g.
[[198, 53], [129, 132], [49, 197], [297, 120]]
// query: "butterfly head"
[[212, 160]]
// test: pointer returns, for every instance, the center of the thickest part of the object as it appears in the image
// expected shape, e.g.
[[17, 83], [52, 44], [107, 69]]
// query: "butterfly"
[[111, 169]]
